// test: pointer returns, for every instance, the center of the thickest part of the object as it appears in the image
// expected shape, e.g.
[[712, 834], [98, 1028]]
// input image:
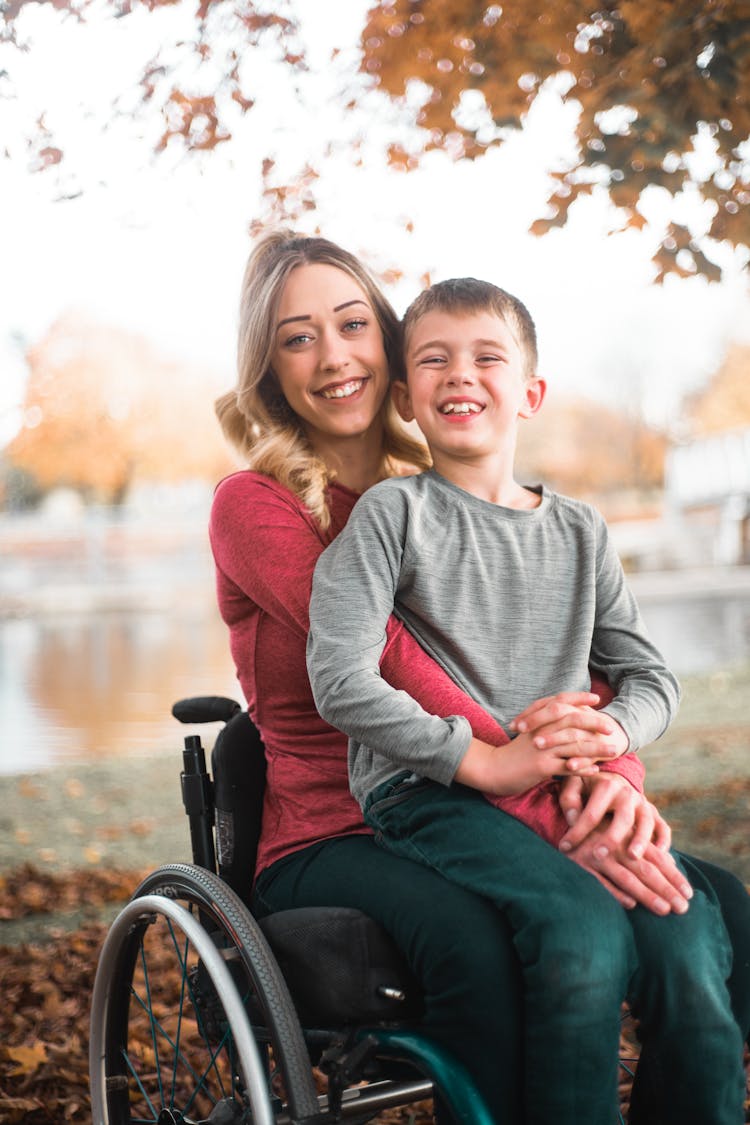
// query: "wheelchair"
[[202, 1014]]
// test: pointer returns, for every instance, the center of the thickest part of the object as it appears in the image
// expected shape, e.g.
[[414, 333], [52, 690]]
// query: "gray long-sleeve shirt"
[[514, 604]]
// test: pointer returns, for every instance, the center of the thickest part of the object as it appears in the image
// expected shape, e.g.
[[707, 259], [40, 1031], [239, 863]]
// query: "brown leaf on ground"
[[23, 1060]]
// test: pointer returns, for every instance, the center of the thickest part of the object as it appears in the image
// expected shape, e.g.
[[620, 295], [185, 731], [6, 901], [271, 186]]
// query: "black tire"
[[167, 1039]]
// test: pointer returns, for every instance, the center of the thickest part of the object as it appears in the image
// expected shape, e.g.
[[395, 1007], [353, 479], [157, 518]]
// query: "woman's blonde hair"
[[255, 416]]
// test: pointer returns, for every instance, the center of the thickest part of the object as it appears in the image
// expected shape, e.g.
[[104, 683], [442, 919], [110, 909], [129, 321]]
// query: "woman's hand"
[[623, 816], [654, 881], [622, 839]]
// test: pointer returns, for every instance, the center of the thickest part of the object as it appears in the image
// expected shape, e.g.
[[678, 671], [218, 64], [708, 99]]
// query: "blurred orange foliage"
[[104, 411], [725, 403], [647, 76], [583, 448]]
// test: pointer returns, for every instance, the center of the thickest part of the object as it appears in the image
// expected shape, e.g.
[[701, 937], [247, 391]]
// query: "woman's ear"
[[401, 400], [535, 391]]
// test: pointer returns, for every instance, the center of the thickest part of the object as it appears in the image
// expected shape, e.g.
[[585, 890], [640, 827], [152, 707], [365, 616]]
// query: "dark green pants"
[[581, 954], [461, 950], [457, 944]]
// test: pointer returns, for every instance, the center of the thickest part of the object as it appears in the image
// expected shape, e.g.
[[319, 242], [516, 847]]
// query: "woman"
[[312, 416]]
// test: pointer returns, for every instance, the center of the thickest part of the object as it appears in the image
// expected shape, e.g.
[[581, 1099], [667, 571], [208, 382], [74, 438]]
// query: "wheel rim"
[[172, 1051], [176, 1059]]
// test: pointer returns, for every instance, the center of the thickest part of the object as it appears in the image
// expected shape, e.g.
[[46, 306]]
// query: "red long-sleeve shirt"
[[265, 545]]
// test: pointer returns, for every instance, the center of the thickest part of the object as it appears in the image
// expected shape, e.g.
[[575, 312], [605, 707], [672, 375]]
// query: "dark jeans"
[[734, 902], [581, 954], [452, 939], [457, 944]]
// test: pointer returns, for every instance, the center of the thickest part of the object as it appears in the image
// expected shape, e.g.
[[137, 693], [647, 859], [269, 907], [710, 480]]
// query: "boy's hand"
[[551, 707], [517, 766], [568, 723]]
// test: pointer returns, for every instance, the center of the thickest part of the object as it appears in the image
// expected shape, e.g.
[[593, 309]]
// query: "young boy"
[[517, 592]]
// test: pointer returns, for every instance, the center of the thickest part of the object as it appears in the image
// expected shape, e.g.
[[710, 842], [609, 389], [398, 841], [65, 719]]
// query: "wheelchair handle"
[[205, 709], [198, 799]]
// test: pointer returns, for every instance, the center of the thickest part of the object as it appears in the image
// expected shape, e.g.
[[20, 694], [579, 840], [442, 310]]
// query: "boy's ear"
[[402, 400], [536, 389]]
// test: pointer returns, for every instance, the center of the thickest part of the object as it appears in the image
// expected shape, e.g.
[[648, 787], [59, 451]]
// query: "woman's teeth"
[[344, 390]]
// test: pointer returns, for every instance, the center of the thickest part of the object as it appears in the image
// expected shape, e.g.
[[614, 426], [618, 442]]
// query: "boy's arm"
[[353, 594], [647, 694]]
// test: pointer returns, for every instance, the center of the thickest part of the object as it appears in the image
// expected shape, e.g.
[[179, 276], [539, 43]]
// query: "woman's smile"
[[343, 390]]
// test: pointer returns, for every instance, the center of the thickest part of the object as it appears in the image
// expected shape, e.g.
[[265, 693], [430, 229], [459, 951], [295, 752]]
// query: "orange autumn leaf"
[[24, 1060]]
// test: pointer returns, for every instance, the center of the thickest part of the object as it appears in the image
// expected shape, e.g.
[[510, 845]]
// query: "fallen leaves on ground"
[[44, 1028], [46, 990], [28, 890]]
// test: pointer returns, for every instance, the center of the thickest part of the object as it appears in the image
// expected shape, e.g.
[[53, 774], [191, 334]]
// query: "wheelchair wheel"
[[183, 975]]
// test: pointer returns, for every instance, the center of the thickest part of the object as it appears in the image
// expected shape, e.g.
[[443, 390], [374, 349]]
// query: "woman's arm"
[[405, 665]]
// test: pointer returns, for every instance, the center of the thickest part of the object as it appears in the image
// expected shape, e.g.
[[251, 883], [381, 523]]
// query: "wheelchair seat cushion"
[[341, 967]]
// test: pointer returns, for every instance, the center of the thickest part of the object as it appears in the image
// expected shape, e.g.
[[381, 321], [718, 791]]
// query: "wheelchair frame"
[[192, 1019]]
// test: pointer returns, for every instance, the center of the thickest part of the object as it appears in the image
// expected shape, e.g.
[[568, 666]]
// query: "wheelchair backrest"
[[238, 765]]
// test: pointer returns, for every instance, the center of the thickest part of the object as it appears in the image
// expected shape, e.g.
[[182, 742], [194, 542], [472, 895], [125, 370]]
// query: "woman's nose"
[[332, 352]]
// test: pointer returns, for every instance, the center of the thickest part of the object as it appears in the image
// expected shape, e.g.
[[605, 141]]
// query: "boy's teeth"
[[460, 408], [344, 390]]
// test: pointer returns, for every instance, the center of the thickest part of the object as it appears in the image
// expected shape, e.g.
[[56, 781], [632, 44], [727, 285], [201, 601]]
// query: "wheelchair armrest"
[[341, 967]]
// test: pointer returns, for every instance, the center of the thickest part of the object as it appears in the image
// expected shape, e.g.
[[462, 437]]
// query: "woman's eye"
[[355, 324], [299, 339]]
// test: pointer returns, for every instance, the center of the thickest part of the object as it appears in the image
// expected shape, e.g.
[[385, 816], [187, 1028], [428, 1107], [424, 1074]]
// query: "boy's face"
[[467, 384]]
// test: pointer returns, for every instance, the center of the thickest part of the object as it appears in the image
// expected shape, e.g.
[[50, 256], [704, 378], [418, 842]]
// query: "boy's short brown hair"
[[464, 295]]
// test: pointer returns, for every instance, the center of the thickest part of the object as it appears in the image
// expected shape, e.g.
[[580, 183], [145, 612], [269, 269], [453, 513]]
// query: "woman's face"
[[328, 354]]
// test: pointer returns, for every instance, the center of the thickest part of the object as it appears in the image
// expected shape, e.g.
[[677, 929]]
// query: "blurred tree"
[[649, 78], [103, 411], [648, 75], [584, 448], [19, 490], [725, 403]]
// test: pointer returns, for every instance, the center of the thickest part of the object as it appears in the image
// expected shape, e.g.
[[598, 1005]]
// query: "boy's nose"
[[459, 373]]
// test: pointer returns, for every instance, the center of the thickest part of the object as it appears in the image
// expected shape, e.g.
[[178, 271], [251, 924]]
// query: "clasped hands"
[[615, 832]]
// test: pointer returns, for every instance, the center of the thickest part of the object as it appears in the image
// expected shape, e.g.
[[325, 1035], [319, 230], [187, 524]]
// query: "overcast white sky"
[[157, 245]]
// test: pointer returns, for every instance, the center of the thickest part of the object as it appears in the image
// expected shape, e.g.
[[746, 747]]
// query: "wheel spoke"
[[180, 1008], [150, 1012], [162, 1040]]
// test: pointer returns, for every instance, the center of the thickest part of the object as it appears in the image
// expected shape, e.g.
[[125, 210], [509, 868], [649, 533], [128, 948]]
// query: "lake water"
[[103, 625], [101, 633], [93, 687]]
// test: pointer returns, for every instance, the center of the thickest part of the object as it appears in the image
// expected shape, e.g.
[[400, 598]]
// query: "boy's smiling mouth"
[[342, 390], [462, 406]]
